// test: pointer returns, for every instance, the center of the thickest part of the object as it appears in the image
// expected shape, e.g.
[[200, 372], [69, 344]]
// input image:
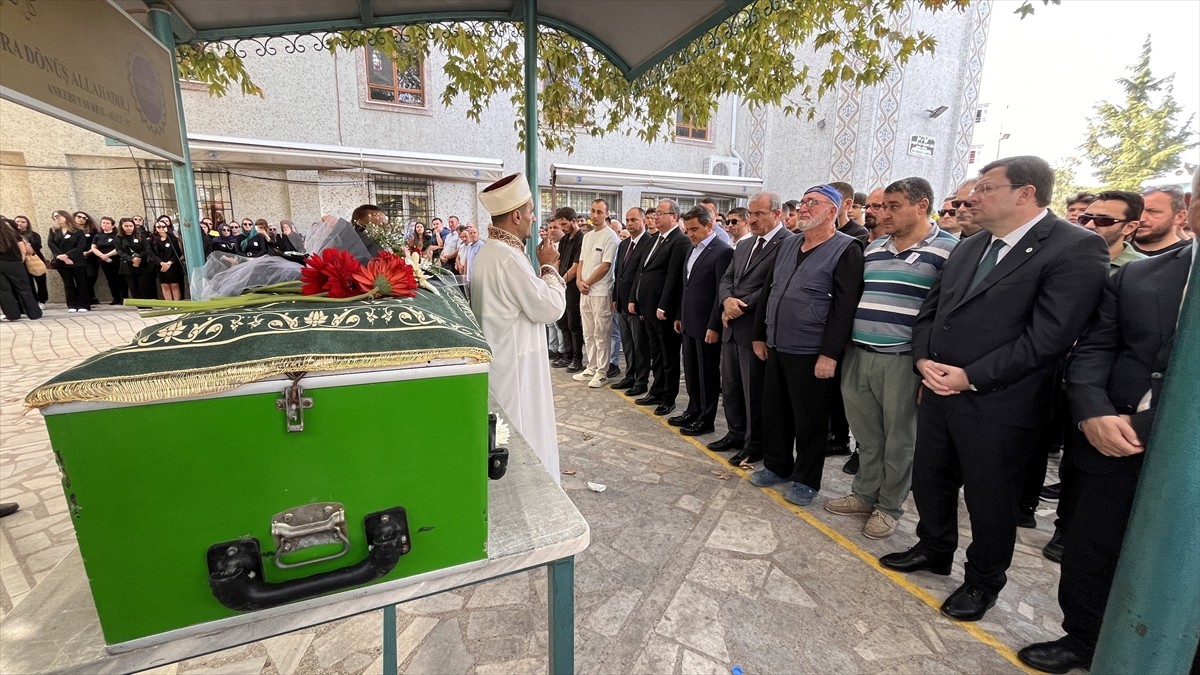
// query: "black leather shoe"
[[560, 363], [968, 603], [664, 409], [648, 400], [851, 465], [833, 449], [681, 420], [744, 456], [554, 356], [9, 508], [915, 560], [697, 428], [726, 442], [613, 371], [624, 383], [636, 390], [1059, 656], [575, 367], [1053, 549], [1026, 519]]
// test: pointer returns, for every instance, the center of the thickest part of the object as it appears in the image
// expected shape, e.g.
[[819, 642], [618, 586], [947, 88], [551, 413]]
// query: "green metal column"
[[531, 122], [1152, 623], [185, 180], [561, 578]]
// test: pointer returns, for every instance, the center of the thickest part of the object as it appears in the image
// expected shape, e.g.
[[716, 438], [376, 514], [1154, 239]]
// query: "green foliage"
[[1139, 140], [1066, 185], [750, 55]]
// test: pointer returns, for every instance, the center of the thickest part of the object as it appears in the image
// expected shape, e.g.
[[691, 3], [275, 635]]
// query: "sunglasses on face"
[[947, 212], [733, 221], [1101, 221], [959, 203]]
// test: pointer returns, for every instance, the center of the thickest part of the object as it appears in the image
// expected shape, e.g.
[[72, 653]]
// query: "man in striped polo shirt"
[[879, 384]]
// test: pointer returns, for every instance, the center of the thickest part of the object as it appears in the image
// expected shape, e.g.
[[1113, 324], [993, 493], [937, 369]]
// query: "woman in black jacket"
[[133, 248], [15, 294], [31, 237], [68, 243], [166, 254], [255, 243], [104, 249], [224, 242], [90, 230]]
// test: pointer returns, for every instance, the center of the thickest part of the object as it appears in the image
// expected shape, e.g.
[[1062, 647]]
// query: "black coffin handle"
[[235, 571]]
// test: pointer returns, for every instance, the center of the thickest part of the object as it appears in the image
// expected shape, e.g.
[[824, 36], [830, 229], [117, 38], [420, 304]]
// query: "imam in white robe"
[[513, 305]]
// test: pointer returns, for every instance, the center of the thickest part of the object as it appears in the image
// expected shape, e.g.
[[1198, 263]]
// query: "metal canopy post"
[[531, 123], [185, 180]]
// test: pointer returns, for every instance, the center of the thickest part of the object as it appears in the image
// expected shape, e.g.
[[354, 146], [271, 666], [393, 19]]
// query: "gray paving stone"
[[499, 623], [732, 575], [433, 604], [744, 534], [512, 590], [692, 620], [286, 651], [412, 636], [608, 618], [442, 652]]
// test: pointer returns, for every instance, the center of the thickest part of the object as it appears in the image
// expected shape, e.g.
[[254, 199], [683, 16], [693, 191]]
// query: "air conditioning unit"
[[715, 165]]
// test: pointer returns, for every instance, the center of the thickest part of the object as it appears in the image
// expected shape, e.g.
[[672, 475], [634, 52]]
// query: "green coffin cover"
[[211, 352]]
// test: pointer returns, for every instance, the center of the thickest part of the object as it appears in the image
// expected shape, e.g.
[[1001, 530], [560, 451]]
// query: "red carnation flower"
[[332, 271], [387, 275]]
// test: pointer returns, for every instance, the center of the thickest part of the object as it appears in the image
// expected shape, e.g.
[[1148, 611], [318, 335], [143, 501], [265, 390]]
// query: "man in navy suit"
[[699, 322], [1009, 304], [656, 297]]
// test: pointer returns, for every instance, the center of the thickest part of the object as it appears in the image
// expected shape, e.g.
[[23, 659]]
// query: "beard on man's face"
[[869, 221]]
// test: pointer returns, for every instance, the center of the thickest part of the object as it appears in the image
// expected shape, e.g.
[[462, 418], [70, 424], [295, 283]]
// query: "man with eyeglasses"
[[871, 211], [741, 287], [987, 344], [1161, 222], [1114, 215], [802, 326], [657, 294], [1115, 376]]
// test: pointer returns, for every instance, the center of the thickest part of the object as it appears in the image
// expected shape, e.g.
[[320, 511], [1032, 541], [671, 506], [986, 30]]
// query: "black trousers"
[[75, 286], [1051, 437], [41, 289], [702, 376], [112, 277], [571, 325], [797, 403], [636, 345], [141, 285], [1102, 502], [16, 295], [665, 349], [93, 274], [988, 461], [839, 428]]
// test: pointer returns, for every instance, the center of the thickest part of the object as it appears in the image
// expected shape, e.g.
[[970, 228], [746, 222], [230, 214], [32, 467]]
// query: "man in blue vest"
[[802, 326]]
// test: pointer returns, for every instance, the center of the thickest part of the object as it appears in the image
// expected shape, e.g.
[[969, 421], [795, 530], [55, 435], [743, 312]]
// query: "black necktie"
[[986, 264], [758, 247]]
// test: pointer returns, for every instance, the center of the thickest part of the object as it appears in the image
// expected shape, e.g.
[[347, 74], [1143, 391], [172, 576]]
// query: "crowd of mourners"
[[960, 347]]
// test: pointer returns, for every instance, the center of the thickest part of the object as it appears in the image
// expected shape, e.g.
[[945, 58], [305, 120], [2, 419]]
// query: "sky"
[[1051, 68]]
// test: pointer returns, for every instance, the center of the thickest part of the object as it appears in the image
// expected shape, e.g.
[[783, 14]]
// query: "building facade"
[[918, 122]]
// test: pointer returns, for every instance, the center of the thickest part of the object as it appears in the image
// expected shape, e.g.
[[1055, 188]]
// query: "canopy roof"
[[647, 33], [574, 175]]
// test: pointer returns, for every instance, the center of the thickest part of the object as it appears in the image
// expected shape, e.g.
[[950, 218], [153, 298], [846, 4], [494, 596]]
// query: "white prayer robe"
[[513, 305]]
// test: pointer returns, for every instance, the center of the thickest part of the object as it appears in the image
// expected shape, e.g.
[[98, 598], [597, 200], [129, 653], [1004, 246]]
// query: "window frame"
[[214, 196], [365, 100], [689, 130]]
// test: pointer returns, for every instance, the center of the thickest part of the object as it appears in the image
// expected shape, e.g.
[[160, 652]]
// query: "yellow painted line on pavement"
[[896, 577]]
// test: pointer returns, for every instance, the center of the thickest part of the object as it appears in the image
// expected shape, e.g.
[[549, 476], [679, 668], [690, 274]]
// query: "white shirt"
[[698, 249], [598, 247], [513, 305], [771, 235], [1010, 240]]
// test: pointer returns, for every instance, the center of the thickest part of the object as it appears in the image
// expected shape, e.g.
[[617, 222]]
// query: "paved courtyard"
[[691, 569]]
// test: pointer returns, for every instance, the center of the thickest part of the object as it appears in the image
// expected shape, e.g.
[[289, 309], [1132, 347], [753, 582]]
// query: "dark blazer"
[[626, 273], [746, 284], [72, 244], [1126, 348], [1011, 330], [698, 309], [660, 281]]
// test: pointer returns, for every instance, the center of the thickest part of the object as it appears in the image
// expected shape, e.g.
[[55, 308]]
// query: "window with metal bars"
[[650, 202], [213, 196], [405, 199], [581, 201]]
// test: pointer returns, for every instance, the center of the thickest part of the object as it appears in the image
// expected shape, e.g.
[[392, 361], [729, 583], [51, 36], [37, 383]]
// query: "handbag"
[[125, 268], [35, 265]]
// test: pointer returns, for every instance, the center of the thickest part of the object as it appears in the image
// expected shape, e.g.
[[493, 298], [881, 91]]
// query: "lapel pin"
[[1029, 250]]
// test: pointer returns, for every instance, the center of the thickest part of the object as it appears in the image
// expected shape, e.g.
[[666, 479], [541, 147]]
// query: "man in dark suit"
[[657, 291], [1008, 306], [741, 370], [1114, 376], [699, 322], [630, 255]]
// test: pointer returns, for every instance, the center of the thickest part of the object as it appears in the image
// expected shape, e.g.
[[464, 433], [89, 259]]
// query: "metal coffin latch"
[[308, 526], [293, 403]]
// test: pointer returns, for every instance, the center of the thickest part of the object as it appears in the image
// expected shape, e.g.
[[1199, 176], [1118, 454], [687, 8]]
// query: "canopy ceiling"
[[646, 33], [573, 175]]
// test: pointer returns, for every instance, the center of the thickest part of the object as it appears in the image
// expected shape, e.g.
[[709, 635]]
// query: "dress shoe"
[[664, 409], [613, 371], [697, 428], [623, 383], [575, 367], [968, 603], [650, 399], [1053, 550], [1026, 519], [554, 356], [8, 508], [851, 465], [681, 420], [1051, 493], [744, 456], [915, 560], [560, 363], [726, 442], [1059, 656], [636, 390], [836, 447]]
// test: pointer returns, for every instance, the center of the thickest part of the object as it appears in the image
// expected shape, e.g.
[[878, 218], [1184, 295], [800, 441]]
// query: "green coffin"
[[202, 508]]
